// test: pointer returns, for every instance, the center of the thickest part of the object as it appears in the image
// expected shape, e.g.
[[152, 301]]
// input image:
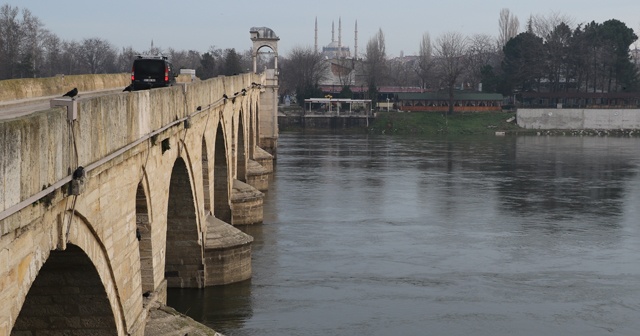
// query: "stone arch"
[[205, 178], [263, 37], [222, 207], [184, 267], [241, 154], [143, 235], [67, 298]]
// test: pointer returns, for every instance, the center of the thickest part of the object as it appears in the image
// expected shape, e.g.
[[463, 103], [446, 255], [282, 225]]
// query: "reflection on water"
[[231, 303], [484, 236]]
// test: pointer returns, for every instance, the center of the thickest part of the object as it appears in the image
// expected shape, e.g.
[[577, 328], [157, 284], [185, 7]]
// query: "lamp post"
[[387, 104]]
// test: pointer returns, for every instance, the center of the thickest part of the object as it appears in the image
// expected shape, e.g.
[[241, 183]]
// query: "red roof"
[[364, 88]]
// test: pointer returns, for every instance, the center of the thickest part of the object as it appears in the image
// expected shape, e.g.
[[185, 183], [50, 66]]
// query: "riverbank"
[[433, 124], [478, 123], [427, 124]]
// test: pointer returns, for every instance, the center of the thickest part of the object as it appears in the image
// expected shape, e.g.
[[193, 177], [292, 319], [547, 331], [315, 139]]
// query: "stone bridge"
[[107, 201]]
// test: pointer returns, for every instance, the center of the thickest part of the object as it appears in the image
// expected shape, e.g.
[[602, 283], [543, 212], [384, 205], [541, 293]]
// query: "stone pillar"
[[227, 253], [246, 204], [269, 114]]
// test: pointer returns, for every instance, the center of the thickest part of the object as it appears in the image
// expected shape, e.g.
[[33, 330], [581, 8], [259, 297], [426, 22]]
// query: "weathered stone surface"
[[110, 139], [258, 176], [221, 235], [227, 254], [13, 89], [246, 204], [264, 159]]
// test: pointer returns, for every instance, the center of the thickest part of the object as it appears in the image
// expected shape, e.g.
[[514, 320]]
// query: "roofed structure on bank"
[[330, 105], [463, 101]]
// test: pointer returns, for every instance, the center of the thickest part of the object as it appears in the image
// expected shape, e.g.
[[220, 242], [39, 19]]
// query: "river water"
[[492, 236]]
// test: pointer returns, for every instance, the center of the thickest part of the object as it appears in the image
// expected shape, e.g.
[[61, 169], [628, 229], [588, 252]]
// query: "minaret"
[[316, 36], [339, 37], [355, 47], [332, 31]]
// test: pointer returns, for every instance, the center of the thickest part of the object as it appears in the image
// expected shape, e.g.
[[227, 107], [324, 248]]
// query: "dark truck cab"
[[150, 72]]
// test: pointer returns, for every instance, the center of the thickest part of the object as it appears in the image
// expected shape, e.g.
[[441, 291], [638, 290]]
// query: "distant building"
[[336, 49]]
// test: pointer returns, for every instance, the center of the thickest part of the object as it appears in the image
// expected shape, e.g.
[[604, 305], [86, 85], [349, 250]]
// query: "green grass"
[[430, 123]]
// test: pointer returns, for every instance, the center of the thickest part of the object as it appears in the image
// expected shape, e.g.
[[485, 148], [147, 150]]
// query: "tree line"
[[550, 55], [28, 50]]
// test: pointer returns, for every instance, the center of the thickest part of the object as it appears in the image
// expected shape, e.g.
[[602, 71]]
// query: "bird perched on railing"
[[79, 173], [72, 93]]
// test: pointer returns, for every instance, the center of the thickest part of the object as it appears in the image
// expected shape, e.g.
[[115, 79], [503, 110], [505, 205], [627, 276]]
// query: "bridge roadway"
[[24, 107], [101, 213]]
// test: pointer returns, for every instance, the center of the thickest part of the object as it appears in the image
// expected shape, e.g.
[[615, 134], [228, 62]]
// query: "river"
[[375, 235]]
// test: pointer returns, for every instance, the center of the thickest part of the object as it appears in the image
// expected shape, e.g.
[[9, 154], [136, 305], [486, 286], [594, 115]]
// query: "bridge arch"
[[263, 37], [206, 188], [183, 255], [75, 288], [144, 237], [255, 137], [241, 151], [67, 297], [222, 207]]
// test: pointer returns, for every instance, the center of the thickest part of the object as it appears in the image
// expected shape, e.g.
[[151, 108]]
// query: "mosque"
[[342, 64], [335, 49]]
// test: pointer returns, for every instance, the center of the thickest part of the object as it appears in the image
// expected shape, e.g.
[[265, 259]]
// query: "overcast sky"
[[197, 25]]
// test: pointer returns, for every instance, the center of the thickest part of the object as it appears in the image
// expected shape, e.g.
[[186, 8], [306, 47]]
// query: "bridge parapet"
[[22, 88], [39, 151]]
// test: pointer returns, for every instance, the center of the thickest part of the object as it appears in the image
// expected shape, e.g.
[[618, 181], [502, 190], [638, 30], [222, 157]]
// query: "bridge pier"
[[264, 159], [246, 204], [227, 253], [269, 114], [258, 176]]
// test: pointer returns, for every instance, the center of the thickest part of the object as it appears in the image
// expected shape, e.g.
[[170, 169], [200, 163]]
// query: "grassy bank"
[[417, 123]]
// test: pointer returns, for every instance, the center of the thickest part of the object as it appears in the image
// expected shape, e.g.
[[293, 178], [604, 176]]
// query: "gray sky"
[[197, 25]]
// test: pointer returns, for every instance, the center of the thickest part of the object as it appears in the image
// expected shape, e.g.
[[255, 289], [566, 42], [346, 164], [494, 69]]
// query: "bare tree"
[[450, 51], [184, 59], [125, 59], [424, 67], [508, 26], [343, 68], [403, 71], [10, 36], [52, 49], [375, 63], [543, 25], [30, 46], [301, 72], [97, 55], [482, 51], [246, 60]]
